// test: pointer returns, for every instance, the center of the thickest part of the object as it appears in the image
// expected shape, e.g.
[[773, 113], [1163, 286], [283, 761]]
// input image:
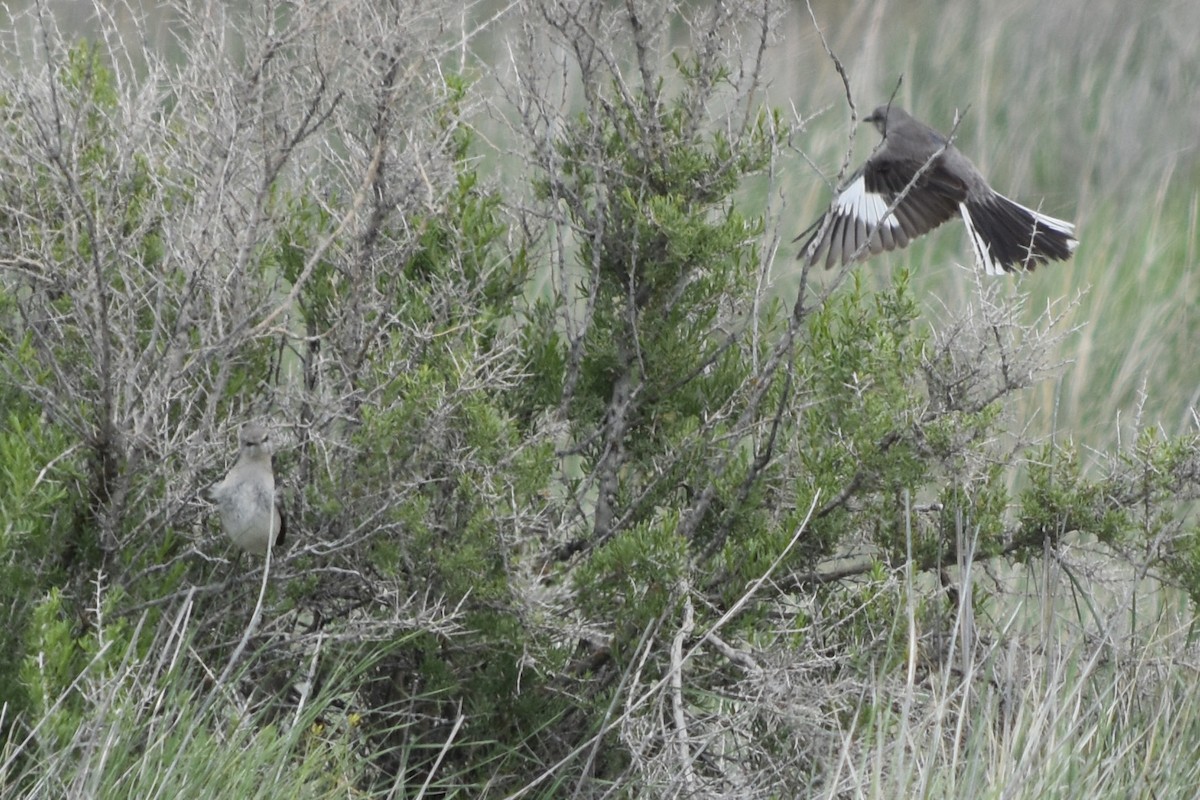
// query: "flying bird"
[[916, 180]]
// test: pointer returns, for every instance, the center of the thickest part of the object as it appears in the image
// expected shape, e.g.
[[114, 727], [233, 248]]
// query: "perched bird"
[[929, 181], [251, 511]]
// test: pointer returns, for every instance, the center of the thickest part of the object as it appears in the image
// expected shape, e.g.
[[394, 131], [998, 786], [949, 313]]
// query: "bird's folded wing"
[[279, 509]]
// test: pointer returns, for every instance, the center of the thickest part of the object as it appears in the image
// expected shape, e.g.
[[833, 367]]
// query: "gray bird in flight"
[[928, 181]]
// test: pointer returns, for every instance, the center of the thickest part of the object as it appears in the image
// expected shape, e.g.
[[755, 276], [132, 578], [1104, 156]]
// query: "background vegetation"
[[595, 491]]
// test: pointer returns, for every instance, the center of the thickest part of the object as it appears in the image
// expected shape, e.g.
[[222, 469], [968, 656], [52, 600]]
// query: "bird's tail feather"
[[1006, 235]]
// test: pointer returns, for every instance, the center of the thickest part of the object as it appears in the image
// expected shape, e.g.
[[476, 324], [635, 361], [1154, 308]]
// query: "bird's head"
[[255, 440], [879, 118]]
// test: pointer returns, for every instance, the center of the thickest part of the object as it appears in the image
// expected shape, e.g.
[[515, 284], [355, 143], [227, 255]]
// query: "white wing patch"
[[863, 206]]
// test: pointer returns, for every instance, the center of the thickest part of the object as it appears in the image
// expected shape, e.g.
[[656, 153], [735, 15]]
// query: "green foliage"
[[54, 660], [1145, 498], [669, 248], [439, 461], [60, 654], [37, 474], [1060, 500], [634, 577], [98, 305], [860, 367], [1157, 484], [979, 508], [653, 390], [306, 223]]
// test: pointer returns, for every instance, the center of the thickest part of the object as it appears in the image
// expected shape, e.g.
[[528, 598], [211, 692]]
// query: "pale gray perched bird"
[[251, 511], [1004, 235]]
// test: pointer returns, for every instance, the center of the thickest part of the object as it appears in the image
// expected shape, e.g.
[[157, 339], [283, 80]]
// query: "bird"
[[251, 511], [928, 181]]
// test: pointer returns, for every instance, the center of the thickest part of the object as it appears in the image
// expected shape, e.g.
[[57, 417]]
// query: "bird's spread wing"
[[858, 225]]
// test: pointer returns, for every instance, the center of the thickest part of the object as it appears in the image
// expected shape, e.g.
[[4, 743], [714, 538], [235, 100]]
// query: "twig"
[[687, 774]]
